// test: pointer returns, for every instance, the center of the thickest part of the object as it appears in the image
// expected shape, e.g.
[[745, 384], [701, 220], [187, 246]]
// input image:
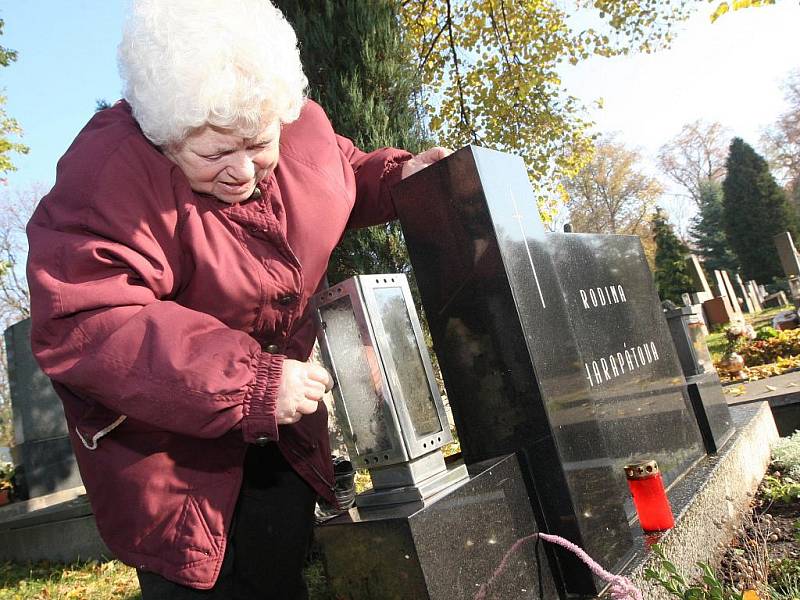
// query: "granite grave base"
[[475, 537]]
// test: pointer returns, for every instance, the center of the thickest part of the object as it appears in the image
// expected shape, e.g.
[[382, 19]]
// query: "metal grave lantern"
[[686, 327], [386, 399], [702, 383]]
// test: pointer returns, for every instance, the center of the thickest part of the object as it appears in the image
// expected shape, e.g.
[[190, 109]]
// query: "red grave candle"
[[649, 496]]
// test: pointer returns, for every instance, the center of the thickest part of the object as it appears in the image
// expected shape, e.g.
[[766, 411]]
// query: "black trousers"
[[268, 541]]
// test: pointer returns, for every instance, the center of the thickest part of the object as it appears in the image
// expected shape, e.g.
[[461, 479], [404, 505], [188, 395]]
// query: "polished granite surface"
[[711, 410], [551, 345], [475, 537]]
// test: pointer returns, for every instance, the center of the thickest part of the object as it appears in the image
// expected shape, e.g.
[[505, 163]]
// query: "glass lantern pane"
[[358, 377], [410, 371], [701, 354]]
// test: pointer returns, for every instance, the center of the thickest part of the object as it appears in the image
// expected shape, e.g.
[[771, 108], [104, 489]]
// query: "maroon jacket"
[[163, 317]]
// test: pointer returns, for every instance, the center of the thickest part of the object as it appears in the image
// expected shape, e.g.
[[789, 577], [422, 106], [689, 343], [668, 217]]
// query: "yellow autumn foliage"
[[724, 7], [490, 72]]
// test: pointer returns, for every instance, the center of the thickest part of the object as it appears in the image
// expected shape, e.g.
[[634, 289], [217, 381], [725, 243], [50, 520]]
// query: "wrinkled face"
[[225, 165]]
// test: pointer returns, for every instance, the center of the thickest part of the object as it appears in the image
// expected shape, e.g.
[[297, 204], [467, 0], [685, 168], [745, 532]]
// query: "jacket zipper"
[[313, 468]]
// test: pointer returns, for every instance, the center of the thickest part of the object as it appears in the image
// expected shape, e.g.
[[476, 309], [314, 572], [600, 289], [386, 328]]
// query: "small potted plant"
[[6, 482]]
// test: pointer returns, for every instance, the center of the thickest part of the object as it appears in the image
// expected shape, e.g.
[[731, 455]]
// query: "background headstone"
[[726, 290], [40, 429], [720, 288], [755, 295], [700, 287], [790, 261], [718, 311], [734, 299], [748, 301]]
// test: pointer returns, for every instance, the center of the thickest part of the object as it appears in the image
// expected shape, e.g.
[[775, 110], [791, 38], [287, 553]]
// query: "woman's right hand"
[[302, 387]]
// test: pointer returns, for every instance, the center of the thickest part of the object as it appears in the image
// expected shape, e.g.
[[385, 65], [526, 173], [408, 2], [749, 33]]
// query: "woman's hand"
[[423, 159], [302, 386]]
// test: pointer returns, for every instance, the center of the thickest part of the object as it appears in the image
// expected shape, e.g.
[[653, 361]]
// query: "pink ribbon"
[[622, 588]]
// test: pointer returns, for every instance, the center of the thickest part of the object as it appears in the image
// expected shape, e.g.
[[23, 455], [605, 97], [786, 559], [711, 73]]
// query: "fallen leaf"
[[771, 388], [751, 595]]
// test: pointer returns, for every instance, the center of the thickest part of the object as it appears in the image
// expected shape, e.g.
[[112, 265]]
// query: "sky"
[[67, 60], [730, 71]]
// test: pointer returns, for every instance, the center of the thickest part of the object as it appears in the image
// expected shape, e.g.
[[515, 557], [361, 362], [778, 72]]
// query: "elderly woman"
[[170, 269]]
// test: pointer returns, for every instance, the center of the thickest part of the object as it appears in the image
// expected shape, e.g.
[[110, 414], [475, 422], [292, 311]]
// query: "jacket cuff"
[[260, 424]]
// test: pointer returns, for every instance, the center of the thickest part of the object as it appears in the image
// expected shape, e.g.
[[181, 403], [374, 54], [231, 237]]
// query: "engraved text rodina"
[[616, 363], [600, 296]]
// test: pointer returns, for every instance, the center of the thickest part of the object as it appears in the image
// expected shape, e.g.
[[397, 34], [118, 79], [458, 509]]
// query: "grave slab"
[[56, 527], [781, 392]]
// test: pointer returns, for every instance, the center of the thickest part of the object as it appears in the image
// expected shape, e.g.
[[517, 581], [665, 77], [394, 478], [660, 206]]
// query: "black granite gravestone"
[[551, 345], [40, 429]]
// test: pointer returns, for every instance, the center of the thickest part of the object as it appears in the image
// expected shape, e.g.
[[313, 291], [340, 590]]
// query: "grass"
[[95, 580], [90, 580], [716, 345]]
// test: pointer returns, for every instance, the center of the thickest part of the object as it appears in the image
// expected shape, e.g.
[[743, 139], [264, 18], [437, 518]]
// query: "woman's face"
[[223, 164]]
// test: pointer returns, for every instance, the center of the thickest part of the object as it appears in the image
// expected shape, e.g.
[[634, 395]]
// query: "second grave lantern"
[[386, 399]]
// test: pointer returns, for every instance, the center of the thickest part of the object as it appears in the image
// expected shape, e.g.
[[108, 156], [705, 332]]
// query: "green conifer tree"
[[672, 278], [362, 75], [755, 210], [707, 231]]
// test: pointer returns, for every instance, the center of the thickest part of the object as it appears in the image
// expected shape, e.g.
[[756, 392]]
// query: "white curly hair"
[[232, 64]]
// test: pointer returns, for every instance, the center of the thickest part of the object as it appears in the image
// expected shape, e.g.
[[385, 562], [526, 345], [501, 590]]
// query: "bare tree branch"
[[465, 119]]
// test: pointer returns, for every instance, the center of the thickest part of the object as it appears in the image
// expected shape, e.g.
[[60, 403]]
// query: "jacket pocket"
[[181, 537], [97, 422], [193, 540]]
